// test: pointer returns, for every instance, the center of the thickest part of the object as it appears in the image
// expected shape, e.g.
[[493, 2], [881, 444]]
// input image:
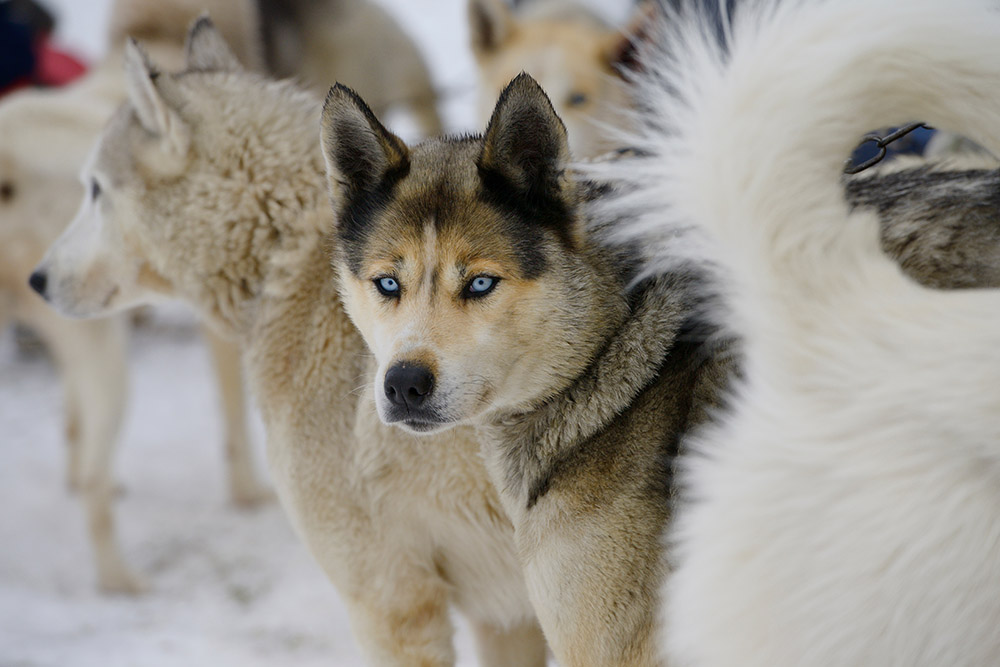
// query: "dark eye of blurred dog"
[[7, 191], [578, 99], [95, 189]]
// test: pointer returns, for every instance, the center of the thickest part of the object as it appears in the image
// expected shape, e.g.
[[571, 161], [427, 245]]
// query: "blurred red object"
[[53, 67]]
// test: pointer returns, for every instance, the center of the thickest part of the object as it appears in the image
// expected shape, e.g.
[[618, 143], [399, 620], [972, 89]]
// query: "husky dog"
[[209, 186], [44, 138], [576, 57], [355, 42], [471, 270], [467, 268], [846, 508]]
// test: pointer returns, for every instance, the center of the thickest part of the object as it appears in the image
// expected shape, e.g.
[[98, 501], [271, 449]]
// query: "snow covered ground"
[[226, 587]]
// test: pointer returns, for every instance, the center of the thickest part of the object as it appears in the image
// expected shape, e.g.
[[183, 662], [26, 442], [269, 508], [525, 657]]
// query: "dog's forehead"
[[442, 174], [443, 190]]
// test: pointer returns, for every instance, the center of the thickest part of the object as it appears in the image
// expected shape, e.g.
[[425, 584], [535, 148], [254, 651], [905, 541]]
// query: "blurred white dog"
[[846, 511], [44, 139]]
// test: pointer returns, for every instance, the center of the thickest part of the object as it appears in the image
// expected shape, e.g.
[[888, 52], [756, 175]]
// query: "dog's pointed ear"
[[622, 48], [206, 50], [359, 152], [490, 24], [150, 106], [525, 144]]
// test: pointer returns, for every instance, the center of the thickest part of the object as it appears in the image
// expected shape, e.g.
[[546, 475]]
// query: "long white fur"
[[846, 510]]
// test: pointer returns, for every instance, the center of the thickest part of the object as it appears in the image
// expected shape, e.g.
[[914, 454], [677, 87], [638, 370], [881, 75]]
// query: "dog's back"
[[159, 21], [845, 510], [353, 42]]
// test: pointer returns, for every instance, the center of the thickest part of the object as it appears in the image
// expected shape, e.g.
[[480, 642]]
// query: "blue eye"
[[481, 286], [387, 286]]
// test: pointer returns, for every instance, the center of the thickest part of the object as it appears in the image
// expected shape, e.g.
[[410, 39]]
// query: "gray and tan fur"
[[213, 190], [44, 139], [941, 218]]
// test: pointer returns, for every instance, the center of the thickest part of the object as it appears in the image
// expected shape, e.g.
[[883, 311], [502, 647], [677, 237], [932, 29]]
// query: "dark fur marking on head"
[[366, 163], [358, 216], [940, 224], [531, 217]]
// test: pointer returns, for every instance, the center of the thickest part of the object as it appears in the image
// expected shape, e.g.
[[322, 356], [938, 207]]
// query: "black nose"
[[38, 281], [408, 385]]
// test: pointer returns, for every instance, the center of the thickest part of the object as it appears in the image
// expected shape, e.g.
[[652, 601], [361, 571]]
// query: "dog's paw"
[[122, 582], [248, 496], [74, 483]]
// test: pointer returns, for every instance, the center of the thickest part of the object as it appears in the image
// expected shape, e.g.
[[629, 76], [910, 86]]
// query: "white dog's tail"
[[747, 137]]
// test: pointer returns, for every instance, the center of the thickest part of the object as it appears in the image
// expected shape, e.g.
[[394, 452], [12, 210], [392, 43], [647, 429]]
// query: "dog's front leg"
[[589, 539], [593, 579], [383, 569], [399, 614], [245, 486]]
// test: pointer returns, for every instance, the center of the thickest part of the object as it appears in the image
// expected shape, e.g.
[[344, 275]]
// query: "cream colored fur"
[[214, 191], [44, 138], [846, 511]]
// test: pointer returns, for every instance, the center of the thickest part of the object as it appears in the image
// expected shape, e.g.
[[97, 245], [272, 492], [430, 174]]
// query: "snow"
[[227, 587]]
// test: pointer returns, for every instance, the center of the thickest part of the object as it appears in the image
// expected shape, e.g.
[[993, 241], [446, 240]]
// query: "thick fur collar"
[[629, 362]]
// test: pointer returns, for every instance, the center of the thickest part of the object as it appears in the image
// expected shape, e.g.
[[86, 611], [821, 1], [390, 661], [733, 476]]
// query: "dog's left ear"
[[525, 145], [359, 152], [622, 47], [206, 50], [155, 114]]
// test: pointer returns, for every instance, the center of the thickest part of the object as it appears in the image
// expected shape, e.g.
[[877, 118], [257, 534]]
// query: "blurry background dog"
[[44, 137], [577, 57], [357, 43]]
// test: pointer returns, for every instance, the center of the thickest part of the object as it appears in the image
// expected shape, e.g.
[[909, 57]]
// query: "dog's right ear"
[[359, 152], [490, 24], [525, 145], [151, 108], [206, 50]]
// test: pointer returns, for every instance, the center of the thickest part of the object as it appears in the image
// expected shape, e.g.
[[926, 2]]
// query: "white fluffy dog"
[[846, 508]]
